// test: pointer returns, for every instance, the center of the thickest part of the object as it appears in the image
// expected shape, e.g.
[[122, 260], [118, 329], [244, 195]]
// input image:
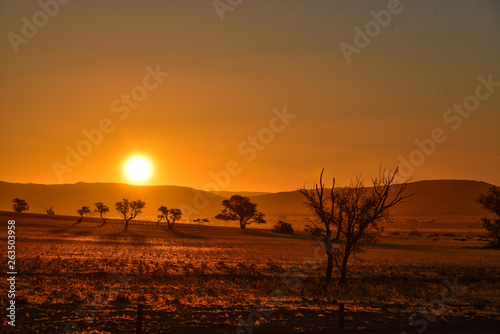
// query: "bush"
[[282, 227], [493, 228]]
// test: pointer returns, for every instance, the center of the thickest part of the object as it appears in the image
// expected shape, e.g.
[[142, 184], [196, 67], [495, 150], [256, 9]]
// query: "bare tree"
[[322, 205], [240, 208], [84, 210], [49, 211], [129, 210], [101, 209], [349, 216], [20, 205], [491, 202]]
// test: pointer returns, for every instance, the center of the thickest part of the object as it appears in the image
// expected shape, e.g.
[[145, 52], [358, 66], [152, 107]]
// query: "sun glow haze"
[[138, 169]]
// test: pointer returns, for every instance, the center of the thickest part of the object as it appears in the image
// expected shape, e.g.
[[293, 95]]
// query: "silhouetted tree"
[[50, 211], [101, 209], [491, 202], [164, 214], [175, 215], [201, 221], [20, 205], [171, 216], [349, 216], [240, 208], [84, 210], [129, 210], [282, 227]]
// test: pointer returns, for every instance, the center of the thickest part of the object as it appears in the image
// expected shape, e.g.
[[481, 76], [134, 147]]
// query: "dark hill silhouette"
[[431, 197], [443, 197]]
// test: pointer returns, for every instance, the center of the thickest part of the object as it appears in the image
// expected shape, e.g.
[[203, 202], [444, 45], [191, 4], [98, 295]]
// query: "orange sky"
[[224, 80]]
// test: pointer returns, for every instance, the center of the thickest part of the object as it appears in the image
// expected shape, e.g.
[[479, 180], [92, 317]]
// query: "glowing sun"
[[138, 169]]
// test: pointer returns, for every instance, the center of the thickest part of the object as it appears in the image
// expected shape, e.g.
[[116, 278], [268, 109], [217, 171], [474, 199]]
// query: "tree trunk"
[[126, 224], [242, 225], [329, 268], [343, 270]]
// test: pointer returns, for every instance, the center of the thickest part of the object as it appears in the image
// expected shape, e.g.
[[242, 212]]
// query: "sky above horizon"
[[255, 96]]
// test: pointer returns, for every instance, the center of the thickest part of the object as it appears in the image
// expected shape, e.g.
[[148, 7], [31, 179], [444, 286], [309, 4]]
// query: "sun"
[[138, 169]]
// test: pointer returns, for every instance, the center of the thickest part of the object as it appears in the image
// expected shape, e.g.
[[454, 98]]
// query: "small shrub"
[[50, 211], [282, 227]]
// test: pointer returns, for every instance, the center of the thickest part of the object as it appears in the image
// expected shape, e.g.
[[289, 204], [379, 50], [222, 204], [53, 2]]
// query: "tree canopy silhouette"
[[241, 209], [170, 215], [129, 210], [84, 210], [101, 209], [20, 205]]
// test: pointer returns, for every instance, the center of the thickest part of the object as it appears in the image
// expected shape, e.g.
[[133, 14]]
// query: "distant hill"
[[67, 198], [443, 197], [242, 193]]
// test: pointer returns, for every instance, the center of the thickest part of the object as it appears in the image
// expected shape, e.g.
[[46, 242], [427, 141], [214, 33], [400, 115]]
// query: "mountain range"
[[436, 197]]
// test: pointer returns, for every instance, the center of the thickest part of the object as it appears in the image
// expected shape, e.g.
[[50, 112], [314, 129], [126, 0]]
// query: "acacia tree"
[[491, 202], [241, 209], [84, 210], [101, 209], [20, 205], [175, 215], [171, 216], [164, 214], [349, 217], [129, 210]]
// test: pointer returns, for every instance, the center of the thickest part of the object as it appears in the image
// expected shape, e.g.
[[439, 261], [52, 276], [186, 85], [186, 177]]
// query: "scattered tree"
[[282, 227], [20, 205], [491, 202], [50, 211], [240, 208], [175, 215], [102, 210], [201, 221], [164, 214], [129, 210], [84, 210], [349, 216], [171, 216]]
